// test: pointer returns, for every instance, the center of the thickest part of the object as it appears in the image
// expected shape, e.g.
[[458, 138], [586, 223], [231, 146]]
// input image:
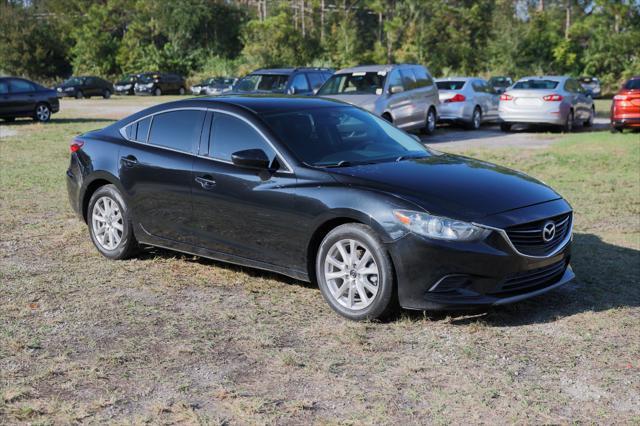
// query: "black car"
[[325, 192], [156, 84], [125, 86], [500, 84], [23, 98], [85, 87], [290, 81]]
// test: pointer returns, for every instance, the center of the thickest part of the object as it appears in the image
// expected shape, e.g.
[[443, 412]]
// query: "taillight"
[[505, 97], [457, 98], [552, 98], [76, 145]]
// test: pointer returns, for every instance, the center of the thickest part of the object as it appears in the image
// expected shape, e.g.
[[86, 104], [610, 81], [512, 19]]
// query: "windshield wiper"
[[342, 163], [407, 157]]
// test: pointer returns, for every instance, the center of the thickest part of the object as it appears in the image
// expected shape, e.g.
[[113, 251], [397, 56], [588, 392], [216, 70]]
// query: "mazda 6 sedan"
[[324, 192]]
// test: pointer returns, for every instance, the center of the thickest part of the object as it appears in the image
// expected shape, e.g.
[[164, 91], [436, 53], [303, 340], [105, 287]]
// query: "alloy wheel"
[[107, 223], [43, 113], [477, 118], [431, 121], [351, 274]]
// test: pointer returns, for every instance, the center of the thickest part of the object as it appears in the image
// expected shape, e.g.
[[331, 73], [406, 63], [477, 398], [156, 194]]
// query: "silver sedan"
[[467, 100], [550, 100]]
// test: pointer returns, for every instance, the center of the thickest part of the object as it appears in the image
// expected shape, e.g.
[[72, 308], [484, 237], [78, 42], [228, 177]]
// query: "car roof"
[[545, 77], [374, 68], [457, 79]]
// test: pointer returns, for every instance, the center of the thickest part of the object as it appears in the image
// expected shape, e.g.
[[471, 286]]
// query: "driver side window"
[[230, 134], [300, 84], [395, 79]]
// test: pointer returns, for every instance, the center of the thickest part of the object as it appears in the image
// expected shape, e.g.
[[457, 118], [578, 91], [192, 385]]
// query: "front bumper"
[[144, 90], [440, 275]]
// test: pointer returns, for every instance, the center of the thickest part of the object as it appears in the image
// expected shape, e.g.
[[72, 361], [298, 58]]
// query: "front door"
[[237, 210], [156, 172]]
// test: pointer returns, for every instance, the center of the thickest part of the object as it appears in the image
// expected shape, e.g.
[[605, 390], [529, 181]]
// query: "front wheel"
[[106, 94], [589, 121], [355, 274], [430, 123], [568, 124], [79, 94], [181, 91], [42, 113], [110, 225], [157, 92]]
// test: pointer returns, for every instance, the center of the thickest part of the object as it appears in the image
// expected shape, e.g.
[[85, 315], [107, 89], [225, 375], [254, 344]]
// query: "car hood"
[[450, 185], [362, 101]]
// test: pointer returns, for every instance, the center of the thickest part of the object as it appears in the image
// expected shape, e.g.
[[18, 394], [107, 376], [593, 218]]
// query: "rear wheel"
[[589, 121], [110, 225], [42, 113], [157, 92], [568, 124], [476, 119], [505, 127], [355, 274], [430, 123]]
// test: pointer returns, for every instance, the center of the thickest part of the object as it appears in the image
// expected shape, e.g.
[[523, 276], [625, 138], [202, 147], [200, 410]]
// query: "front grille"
[[526, 281], [528, 238]]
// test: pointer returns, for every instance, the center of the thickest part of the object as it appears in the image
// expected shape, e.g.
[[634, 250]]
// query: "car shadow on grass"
[[607, 277], [54, 120]]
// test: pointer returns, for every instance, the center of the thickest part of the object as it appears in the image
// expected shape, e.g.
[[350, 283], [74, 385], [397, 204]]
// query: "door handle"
[[129, 161], [206, 181]]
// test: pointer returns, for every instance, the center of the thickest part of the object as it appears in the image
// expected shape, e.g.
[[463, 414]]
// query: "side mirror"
[[251, 158], [315, 91], [292, 90], [396, 89]]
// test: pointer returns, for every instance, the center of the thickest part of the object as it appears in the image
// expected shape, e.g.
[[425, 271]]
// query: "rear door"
[[22, 96], [155, 171]]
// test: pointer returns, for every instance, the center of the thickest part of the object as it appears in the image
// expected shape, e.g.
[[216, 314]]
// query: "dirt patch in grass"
[[173, 338]]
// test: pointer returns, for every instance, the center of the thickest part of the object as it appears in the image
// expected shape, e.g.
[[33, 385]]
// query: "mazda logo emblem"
[[548, 231]]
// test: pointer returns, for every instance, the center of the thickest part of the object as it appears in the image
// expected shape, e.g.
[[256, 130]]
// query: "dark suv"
[[290, 81], [158, 83], [85, 87], [124, 86]]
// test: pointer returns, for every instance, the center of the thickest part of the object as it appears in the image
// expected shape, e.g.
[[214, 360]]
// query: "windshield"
[[262, 83], [536, 84], [500, 81], [129, 78], [218, 82], [341, 136], [632, 84], [450, 85], [588, 80], [148, 78], [74, 81], [357, 83]]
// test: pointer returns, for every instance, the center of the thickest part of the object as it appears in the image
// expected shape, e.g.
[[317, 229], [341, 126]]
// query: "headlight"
[[440, 228]]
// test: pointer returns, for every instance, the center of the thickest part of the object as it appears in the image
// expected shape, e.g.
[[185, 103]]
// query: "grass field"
[[169, 338]]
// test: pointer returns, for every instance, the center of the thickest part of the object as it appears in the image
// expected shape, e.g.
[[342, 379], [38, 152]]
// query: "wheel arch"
[[99, 180]]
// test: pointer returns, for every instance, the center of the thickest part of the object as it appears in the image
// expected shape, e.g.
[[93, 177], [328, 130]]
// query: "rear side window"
[[139, 130], [20, 86], [179, 130], [230, 134]]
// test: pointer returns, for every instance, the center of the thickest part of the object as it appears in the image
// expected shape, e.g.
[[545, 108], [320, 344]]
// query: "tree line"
[[51, 39]]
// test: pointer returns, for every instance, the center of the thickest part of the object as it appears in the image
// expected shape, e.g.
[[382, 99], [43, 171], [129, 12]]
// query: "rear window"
[[536, 84], [450, 85], [632, 84], [356, 83]]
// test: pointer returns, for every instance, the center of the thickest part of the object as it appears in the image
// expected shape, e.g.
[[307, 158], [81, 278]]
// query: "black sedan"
[[321, 191], [85, 87], [24, 98], [125, 86]]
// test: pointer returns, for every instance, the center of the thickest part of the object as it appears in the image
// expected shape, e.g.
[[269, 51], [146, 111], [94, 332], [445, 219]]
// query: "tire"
[[589, 121], [181, 91], [430, 122], [42, 113], [157, 92], [368, 294], [106, 94], [476, 119], [505, 127], [616, 129], [568, 124], [387, 117], [108, 204], [79, 94]]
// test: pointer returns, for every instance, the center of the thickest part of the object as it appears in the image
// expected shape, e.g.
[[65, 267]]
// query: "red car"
[[625, 110]]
